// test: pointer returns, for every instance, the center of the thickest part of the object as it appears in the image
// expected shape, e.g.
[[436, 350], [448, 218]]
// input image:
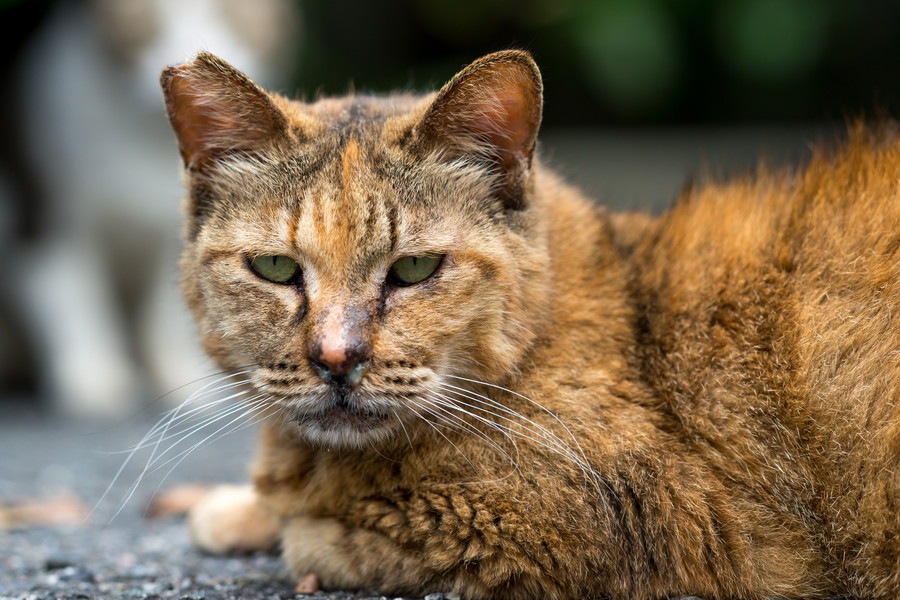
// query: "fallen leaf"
[[66, 509]]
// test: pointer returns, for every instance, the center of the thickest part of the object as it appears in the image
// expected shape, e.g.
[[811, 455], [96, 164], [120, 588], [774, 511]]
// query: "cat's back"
[[768, 326], [769, 318], [821, 245], [843, 208]]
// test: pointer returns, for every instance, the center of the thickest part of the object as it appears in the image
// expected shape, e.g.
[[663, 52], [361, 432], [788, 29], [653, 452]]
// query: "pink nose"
[[333, 356], [338, 354]]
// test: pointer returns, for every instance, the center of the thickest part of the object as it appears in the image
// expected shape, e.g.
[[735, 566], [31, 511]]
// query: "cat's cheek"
[[244, 322], [287, 304]]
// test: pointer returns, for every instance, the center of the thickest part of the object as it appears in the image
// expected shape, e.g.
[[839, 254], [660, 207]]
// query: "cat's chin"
[[343, 427]]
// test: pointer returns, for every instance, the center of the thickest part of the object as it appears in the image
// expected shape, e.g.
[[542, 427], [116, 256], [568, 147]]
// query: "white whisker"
[[180, 420], [242, 409], [207, 390], [547, 438], [439, 432], [158, 433], [445, 404], [456, 423], [402, 426], [218, 434], [575, 455]]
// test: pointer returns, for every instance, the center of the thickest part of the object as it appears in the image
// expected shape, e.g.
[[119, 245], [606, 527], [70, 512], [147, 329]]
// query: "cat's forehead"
[[347, 138], [360, 115], [361, 209], [338, 204], [348, 213]]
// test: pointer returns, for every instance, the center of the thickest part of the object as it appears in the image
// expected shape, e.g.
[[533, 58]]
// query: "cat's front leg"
[[344, 557], [414, 544], [319, 546]]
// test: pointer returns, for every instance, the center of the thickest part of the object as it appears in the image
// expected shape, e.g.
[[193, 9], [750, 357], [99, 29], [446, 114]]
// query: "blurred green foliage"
[[772, 40], [630, 53], [626, 61]]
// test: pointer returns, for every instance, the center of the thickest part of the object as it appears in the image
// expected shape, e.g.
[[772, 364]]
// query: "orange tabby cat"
[[487, 385]]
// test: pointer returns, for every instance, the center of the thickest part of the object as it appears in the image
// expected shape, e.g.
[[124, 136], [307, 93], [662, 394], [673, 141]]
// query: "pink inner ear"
[[498, 109], [195, 125], [514, 118]]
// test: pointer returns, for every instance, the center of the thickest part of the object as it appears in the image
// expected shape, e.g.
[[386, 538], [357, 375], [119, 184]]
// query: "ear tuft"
[[491, 110], [215, 109]]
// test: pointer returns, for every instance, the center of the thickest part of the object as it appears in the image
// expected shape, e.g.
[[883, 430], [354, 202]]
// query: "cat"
[[473, 379]]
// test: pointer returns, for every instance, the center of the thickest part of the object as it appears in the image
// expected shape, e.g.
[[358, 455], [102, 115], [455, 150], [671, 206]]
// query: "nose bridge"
[[339, 338]]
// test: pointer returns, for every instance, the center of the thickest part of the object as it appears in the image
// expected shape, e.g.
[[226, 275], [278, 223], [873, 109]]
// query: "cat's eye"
[[277, 269], [413, 269]]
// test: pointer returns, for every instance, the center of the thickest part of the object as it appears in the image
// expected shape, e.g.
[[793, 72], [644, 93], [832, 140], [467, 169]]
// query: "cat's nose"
[[339, 354], [348, 372]]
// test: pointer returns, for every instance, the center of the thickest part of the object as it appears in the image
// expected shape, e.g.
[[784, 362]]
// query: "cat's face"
[[355, 255]]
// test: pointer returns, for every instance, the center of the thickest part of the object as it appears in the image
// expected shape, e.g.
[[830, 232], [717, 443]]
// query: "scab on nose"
[[338, 350]]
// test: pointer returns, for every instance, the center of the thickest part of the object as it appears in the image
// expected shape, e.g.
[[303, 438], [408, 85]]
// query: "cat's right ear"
[[215, 109]]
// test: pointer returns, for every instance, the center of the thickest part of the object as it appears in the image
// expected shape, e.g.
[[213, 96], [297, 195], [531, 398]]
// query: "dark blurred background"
[[639, 95], [626, 62], [606, 63]]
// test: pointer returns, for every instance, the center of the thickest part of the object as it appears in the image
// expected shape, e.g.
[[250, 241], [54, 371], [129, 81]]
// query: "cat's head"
[[356, 255]]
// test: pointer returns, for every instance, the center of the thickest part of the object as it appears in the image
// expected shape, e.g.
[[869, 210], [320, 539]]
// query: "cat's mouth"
[[340, 418]]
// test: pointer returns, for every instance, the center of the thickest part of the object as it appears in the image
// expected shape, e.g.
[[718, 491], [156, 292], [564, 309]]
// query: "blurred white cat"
[[100, 289]]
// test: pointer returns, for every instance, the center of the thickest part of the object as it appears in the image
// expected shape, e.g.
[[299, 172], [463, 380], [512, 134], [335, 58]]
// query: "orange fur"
[[576, 404]]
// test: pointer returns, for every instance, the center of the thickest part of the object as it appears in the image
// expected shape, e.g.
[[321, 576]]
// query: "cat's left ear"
[[490, 111], [215, 109]]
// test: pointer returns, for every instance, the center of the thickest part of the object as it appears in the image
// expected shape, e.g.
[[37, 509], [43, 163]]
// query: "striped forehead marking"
[[349, 163]]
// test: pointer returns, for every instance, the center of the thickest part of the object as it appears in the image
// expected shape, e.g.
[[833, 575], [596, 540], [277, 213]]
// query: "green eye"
[[414, 269], [277, 269]]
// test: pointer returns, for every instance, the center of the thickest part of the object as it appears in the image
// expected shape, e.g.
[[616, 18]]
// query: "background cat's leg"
[[167, 332], [230, 520], [68, 302]]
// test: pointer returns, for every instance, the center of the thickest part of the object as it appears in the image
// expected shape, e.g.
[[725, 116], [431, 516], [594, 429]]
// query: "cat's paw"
[[229, 520]]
